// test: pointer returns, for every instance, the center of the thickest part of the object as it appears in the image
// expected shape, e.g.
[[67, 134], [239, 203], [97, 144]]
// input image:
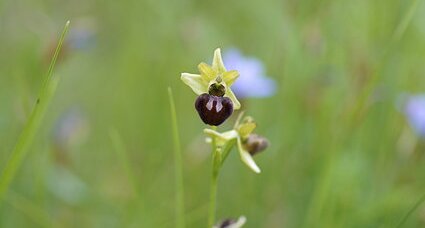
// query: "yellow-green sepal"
[[195, 82], [246, 157]]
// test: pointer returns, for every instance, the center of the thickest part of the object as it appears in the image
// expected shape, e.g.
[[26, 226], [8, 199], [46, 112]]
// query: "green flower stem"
[[226, 150], [216, 164], [213, 194], [35, 120], [180, 223]]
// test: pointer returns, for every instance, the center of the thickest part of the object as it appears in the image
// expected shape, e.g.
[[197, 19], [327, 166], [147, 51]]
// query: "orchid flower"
[[240, 135]]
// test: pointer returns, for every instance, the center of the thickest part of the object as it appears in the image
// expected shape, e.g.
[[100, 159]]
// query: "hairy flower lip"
[[213, 110]]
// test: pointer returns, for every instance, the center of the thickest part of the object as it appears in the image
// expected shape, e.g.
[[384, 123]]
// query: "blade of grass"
[[123, 156], [35, 119], [320, 195], [404, 23], [32, 211], [404, 219], [394, 40], [178, 164]]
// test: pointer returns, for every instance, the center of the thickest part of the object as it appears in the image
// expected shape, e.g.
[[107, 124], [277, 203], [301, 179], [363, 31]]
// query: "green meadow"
[[88, 140]]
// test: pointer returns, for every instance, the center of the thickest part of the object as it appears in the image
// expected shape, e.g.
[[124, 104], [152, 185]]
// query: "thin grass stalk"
[[178, 164], [26, 138]]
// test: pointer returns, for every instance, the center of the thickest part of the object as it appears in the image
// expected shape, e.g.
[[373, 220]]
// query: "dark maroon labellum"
[[213, 110]]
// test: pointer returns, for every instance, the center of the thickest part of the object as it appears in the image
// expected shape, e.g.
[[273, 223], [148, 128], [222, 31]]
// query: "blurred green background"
[[341, 154]]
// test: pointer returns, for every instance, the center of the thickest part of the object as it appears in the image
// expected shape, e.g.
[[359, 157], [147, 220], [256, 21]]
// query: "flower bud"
[[246, 127], [231, 223], [255, 144], [213, 110]]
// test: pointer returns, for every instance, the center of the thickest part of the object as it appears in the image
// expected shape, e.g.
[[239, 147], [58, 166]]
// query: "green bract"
[[226, 139], [215, 74]]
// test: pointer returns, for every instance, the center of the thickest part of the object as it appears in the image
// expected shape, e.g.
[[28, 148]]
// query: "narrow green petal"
[[230, 77], [231, 95], [246, 129], [217, 63], [207, 71], [222, 139], [195, 82], [228, 135], [238, 120], [212, 133], [246, 158]]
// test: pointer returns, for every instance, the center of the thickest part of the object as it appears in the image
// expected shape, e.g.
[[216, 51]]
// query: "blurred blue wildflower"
[[252, 81], [82, 36], [71, 129], [415, 111], [66, 185]]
